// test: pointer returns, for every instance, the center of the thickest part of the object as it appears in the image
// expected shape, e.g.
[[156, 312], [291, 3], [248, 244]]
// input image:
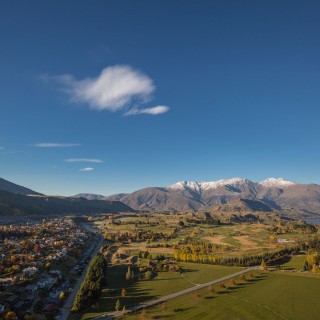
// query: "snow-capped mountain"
[[201, 186], [187, 195], [273, 182]]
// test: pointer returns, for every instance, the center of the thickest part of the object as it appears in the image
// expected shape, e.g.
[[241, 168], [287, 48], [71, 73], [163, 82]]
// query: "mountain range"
[[226, 195], [276, 194], [16, 200]]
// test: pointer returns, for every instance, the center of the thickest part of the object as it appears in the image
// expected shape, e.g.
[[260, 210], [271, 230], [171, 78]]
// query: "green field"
[[271, 296], [285, 294], [296, 263], [164, 283]]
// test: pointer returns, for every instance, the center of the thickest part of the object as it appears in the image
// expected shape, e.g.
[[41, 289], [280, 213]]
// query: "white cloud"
[[117, 88], [84, 160], [86, 169], [55, 145], [153, 111]]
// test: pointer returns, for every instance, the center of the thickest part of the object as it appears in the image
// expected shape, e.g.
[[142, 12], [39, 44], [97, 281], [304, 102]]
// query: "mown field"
[[269, 296], [164, 283]]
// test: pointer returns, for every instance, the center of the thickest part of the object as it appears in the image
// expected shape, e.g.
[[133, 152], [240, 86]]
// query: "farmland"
[[141, 250], [269, 295]]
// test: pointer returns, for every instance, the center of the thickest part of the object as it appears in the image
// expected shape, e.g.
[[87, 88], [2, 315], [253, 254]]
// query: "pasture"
[[268, 296]]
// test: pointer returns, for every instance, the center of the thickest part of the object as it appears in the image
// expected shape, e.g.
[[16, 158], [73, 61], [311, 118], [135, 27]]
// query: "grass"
[[270, 296], [164, 283], [296, 263], [201, 273]]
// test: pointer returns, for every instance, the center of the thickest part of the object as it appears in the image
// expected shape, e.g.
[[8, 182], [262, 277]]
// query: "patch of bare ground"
[[216, 239], [246, 243]]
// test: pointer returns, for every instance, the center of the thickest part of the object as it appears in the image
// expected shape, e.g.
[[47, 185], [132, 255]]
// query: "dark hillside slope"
[[8, 186], [15, 204]]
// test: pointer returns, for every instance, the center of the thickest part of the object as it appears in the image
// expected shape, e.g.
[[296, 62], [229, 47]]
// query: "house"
[[13, 299], [50, 308], [32, 288], [28, 272], [19, 306]]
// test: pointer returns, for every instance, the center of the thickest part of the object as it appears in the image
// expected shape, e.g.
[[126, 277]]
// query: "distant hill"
[[244, 206], [14, 188], [89, 196], [241, 210], [93, 196], [18, 204]]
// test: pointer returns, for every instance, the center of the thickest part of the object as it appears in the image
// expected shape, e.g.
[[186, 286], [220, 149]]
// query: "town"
[[40, 262]]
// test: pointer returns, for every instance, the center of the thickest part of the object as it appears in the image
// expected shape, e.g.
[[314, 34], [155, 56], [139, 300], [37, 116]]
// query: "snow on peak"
[[199, 186], [276, 182]]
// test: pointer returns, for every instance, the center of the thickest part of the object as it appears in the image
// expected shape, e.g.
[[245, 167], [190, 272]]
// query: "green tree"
[[148, 275], [118, 305], [92, 284], [128, 274]]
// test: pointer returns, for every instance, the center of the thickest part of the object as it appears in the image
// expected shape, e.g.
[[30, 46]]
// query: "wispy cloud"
[[153, 111], [86, 169], [117, 88], [1, 148], [84, 160], [55, 145]]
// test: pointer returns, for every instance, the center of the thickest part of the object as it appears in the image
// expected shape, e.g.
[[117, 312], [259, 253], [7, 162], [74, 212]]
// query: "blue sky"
[[147, 93]]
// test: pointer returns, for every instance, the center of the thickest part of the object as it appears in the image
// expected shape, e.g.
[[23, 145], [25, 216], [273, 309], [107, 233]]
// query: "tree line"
[[186, 254], [92, 284]]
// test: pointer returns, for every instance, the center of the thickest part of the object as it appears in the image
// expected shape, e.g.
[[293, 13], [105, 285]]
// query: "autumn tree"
[[263, 265], [143, 314], [210, 289], [222, 286], [315, 268], [164, 307], [10, 315], [48, 266], [124, 311], [242, 277], [62, 296]]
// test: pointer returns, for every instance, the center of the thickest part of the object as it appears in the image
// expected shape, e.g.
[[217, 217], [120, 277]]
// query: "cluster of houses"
[[30, 256]]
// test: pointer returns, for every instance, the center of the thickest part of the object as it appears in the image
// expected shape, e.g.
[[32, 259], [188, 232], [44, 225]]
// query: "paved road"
[[69, 303], [154, 302]]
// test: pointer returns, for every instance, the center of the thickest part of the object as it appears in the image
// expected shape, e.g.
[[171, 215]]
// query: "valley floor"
[[270, 295]]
